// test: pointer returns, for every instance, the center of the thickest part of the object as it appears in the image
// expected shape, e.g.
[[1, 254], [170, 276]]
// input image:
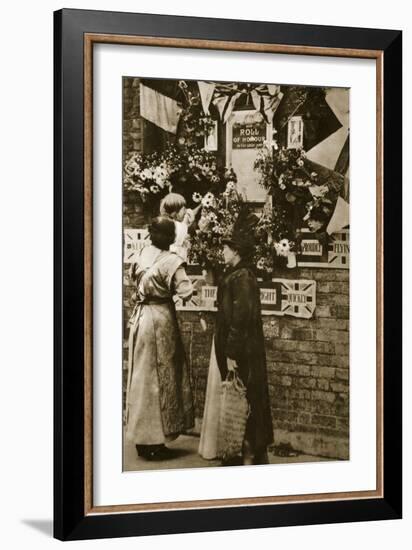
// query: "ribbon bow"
[[264, 97]]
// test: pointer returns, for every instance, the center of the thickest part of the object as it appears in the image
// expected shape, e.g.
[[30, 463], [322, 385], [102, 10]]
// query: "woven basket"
[[234, 412]]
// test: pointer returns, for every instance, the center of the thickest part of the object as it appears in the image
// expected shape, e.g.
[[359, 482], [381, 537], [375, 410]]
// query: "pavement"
[[185, 447]]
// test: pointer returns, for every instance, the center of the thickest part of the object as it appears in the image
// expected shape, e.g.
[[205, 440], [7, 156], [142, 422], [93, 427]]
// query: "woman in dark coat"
[[239, 345], [239, 342]]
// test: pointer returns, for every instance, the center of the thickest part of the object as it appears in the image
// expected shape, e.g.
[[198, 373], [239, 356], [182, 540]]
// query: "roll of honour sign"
[[278, 297], [248, 135], [317, 251]]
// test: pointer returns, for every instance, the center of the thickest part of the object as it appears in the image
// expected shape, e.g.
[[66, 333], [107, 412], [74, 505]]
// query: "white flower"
[[160, 173], [197, 197], [154, 189], [147, 173], [300, 162], [208, 200], [230, 186], [282, 247], [260, 264]]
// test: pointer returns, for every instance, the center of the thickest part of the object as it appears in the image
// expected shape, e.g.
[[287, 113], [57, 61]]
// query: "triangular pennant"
[[340, 217], [206, 90], [270, 104], [256, 98], [225, 105]]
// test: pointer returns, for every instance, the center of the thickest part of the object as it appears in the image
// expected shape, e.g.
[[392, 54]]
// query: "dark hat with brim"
[[243, 244]]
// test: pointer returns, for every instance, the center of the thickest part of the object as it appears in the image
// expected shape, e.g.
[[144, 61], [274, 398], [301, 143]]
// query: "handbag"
[[234, 412]]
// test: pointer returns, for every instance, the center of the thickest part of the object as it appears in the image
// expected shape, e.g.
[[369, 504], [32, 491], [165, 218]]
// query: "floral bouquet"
[[275, 235], [148, 175], [196, 172], [218, 216], [294, 184], [190, 171]]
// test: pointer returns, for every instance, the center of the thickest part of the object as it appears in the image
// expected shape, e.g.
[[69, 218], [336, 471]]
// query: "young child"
[[173, 206]]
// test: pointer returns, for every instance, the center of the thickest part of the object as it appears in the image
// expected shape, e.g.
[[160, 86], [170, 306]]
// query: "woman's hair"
[[162, 233], [172, 204]]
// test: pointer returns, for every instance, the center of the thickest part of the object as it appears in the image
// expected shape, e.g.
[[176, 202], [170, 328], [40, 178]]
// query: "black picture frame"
[[72, 521]]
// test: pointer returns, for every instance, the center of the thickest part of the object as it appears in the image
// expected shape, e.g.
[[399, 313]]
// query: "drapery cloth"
[[161, 110]]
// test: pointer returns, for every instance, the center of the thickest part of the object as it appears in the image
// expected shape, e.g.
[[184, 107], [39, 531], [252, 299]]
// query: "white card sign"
[[295, 132], [134, 241], [332, 253]]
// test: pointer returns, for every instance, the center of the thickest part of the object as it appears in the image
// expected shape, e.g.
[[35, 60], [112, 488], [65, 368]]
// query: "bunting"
[[224, 100], [265, 98], [206, 90]]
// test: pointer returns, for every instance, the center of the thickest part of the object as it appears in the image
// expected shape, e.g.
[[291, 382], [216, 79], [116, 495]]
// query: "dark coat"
[[239, 336]]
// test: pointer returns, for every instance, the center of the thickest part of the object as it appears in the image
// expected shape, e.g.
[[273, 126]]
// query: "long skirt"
[[159, 397], [210, 424]]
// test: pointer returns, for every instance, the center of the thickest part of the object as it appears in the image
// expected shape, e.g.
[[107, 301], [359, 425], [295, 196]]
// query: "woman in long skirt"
[[159, 404]]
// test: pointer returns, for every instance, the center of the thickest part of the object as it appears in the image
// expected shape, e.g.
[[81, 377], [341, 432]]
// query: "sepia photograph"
[[224, 359], [235, 274]]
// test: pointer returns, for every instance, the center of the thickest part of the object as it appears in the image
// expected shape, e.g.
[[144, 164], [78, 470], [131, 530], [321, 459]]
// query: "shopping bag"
[[234, 411]]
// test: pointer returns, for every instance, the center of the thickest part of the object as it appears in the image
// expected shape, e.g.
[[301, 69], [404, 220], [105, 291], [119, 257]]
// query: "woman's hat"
[[242, 238]]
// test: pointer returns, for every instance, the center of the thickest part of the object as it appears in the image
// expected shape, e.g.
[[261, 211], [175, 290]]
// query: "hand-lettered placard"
[[331, 251]]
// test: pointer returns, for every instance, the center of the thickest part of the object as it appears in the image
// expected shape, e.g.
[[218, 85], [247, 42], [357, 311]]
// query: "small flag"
[[161, 110], [266, 100], [225, 103], [206, 90]]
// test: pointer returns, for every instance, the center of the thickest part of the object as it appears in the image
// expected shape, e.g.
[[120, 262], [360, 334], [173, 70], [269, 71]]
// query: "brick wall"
[[132, 122]]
